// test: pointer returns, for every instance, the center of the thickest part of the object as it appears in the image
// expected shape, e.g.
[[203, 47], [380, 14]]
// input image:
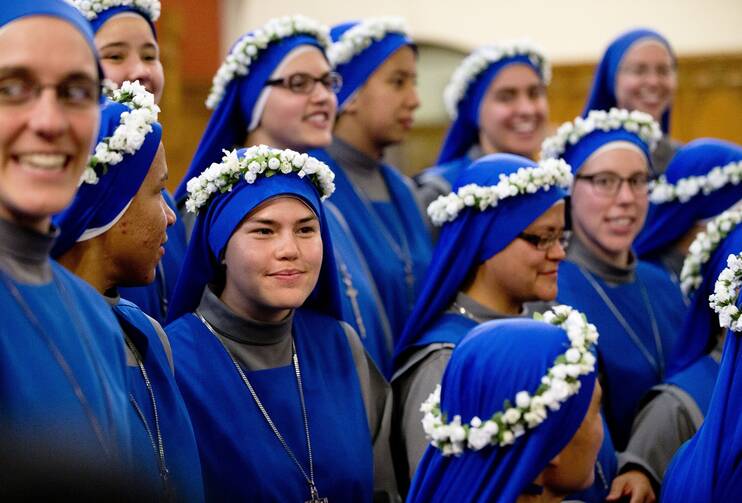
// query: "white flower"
[[481, 59], [359, 37], [478, 438], [522, 399], [92, 8], [221, 177], [511, 416], [662, 191], [726, 290], [570, 133]]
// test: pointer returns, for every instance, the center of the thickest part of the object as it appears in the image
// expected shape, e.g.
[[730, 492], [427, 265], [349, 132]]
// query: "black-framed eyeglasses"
[[303, 83], [76, 92], [608, 184], [545, 242]]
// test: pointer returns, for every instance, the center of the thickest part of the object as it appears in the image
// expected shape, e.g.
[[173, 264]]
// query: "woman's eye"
[[114, 56]]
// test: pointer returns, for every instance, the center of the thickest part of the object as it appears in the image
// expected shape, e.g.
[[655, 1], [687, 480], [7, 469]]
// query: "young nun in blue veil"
[[528, 395], [285, 403], [497, 101], [63, 406], [675, 409], [703, 179], [285, 97], [113, 234], [500, 246], [126, 39], [709, 466], [635, 305], [377, 61], [638, 72]]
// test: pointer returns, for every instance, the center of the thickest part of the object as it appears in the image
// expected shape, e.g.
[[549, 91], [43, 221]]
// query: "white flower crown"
[[704, 245], [92, 8], [661, 191], [260, 160], [548, 173], [481, 59], [246, 49], [129, 136], [724, 299], [502, 428], [358, 38], [572, 132]]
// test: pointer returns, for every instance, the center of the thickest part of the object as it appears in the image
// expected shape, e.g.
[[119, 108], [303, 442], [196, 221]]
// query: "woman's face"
[[45, 133], [646, 79], [136, 242], [521, 272], [514, 112], [129, 51], [574, 467], [294, 120], [273, 260], [608, 223]]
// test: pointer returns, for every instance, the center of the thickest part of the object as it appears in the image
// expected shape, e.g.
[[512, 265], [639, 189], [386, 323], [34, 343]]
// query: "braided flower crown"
[[484, 57], [358, 38], [527, 180], [572, 132], [502, 428], [724, 299], [260, 160], [129, 136], [92, 8], [683, 190], [704, 245], [246, 49]]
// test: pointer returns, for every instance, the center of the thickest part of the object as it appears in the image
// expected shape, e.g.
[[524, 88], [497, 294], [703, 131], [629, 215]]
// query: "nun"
[[285, 403]]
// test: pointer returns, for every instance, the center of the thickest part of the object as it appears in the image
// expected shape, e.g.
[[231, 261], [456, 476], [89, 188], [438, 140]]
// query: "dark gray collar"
[[363, 171], [24, 253], [475, 310], [349, 156], [580, 255], [240, 329]]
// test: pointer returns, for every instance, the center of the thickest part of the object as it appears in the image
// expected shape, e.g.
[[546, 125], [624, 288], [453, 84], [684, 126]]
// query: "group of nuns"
[[533, 319]]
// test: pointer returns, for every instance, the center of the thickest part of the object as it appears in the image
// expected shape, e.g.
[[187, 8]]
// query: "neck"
[[618, 259], [355, 135], [87, 261], [38, 224], [483, 292], [546, 497]]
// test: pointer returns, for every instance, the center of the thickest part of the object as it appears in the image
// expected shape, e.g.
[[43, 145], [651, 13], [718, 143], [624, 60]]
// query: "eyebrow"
[[126, 45], [22, 71], [268, 221]]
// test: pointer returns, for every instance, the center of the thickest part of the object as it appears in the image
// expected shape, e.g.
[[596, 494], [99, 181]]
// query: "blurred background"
[[706, 35]]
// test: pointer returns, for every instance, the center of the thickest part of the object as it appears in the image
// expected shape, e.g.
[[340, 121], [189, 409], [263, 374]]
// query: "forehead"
[[622, 160], [401, 60], [127, 27], [307, 58], [60, 51], [281, 208], [515, 75], [647, 50]]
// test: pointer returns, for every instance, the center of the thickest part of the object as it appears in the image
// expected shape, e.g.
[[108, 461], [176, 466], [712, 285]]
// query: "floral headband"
[[723, 300], [527, 180], [572, 132], [92, 8], [247, 48], [129, 136], [260, 160], [661, 191], [704, 245], [502, 428], [361, 36], [481, 59]]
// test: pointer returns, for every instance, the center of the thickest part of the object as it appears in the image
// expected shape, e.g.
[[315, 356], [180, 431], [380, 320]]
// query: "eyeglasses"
[[545, 243], [642, 70], [608, 184], [303, 83], [76, 92]]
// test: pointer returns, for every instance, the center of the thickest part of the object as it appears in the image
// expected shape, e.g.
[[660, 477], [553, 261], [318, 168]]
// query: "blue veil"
[[472, 238], [99, 206], [577, 154], [478, 379], [223, 215], [669, 221], [603, 93]]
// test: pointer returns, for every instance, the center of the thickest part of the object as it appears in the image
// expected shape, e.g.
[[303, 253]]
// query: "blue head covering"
[[16, 9], [98, 14], [464, 131], [667, 222], [223, 215], [472, 238], [361, 66], [97, 207], [709, 466], [603, 92], [701, 323], [478, 379]]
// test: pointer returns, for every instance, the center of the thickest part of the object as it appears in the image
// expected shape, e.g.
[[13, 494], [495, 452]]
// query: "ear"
[[351, 105]]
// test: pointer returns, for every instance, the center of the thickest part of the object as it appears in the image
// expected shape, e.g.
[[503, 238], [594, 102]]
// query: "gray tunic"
[[413, 383], [663, 153], [263, 345], [24, 253]]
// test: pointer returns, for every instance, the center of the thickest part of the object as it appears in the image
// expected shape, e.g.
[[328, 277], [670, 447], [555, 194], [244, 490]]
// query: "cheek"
[[85, 131]]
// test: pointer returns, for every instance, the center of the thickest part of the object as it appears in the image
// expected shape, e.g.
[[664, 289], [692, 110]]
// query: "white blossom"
[[92, 8], [726, 290], [359, 37]]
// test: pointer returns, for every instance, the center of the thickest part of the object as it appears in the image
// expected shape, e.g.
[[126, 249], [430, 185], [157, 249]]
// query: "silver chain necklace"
[[157, 444], [314, 494], [459, 309]]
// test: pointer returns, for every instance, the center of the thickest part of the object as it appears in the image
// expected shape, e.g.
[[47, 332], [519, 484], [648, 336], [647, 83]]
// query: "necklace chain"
[[297, 371], [459, 309]]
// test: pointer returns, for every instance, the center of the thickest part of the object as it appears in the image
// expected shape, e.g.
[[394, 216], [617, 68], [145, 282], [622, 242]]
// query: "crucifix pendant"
[[315, 496]]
